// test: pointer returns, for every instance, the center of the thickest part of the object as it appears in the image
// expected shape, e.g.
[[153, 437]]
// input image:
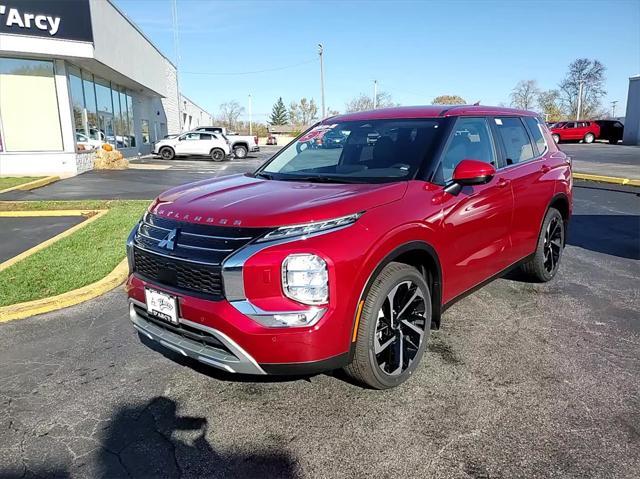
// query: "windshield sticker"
[[498, 121]]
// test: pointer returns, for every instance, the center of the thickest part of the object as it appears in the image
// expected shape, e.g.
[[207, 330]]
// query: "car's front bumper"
[[226, 355], [255, 148]]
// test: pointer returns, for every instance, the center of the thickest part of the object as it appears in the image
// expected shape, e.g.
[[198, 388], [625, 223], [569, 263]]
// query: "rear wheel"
[[589, 137], [613, 141], [167, 153], [240, 152], [217, 154], [556, 138], [546, 260], [394, 328]]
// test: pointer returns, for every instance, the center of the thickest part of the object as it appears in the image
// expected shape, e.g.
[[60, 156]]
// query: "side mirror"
[[470, 173]]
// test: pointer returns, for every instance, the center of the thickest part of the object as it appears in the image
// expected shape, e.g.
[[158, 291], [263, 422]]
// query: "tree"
[[303, 113], [448, 100], [591, 74], [230, 112], [364, 102], [279, 114], [549, 105], [524, 94]]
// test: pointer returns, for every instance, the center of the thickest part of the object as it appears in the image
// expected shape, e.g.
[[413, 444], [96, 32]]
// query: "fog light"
[[305, 278]]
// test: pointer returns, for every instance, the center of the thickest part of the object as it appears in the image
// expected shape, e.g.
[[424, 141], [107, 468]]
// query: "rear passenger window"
[[205, 136], [536, 132], [518, 147], [471, 141]]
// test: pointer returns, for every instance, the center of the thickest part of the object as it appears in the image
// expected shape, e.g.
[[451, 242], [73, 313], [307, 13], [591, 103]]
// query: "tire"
[[217, 154], [613, 141], [589, 138], [556, 138], [167, 153], [240, 152], [546, 260], [407, 289]]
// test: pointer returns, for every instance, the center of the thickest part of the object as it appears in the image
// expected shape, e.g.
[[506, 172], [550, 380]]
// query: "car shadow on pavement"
[[151, 440], [616, 235]]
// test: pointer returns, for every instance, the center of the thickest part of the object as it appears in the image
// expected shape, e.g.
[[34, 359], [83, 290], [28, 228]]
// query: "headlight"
[[310, 228], [305, 278]]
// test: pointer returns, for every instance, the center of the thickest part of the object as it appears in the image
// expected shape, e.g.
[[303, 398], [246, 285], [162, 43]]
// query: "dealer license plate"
[[162, 305]]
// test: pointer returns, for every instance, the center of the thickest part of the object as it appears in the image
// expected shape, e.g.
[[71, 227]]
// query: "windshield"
[[369, 151]]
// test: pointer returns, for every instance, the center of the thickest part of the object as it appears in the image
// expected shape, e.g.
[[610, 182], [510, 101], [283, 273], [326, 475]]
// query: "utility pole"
[[579, 112], [250, 116], [176, 46], [613, 108], [320, 51], [375, 94]]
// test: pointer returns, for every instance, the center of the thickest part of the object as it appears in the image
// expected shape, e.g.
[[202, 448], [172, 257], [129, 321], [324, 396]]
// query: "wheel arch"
[[560, 202], [240, 143], [424, 258]]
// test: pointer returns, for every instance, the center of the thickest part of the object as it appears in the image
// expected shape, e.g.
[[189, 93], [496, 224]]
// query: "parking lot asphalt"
[[135, 184], [20, 234], [523, 380], [604, 159]]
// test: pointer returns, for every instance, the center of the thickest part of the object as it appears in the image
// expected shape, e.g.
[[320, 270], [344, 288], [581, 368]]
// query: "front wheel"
[[546, 260], [240, 152], [394, 328], [217, 154], [556, 138], [167, 153], [589, 137]]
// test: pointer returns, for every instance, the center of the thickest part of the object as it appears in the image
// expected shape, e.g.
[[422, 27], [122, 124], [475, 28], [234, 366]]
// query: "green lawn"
[[12, 181], [75, 261]]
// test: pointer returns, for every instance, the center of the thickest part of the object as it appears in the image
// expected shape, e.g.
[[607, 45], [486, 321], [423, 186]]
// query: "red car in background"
[[586, 131], [347, 257]]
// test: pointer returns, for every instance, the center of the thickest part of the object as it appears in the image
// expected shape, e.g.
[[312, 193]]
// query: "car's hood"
[[241, 200]]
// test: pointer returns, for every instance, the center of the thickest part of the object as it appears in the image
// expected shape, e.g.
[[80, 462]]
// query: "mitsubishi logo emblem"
[[169, 241]]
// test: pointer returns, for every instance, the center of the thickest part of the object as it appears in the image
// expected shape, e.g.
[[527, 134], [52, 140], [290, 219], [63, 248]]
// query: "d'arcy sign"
[[67, 19]]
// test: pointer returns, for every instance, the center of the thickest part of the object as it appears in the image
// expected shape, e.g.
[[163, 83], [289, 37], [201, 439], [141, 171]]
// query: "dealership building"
[[79, 70], [632, 118]]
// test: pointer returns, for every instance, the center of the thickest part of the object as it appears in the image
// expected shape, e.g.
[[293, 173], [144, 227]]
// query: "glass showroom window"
[[105, 110], [90, 106], [132, 133], [145, 131], [123, 142], [77, 100], [29, 106]]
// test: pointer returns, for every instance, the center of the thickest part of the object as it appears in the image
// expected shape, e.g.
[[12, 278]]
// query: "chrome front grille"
[[186, 256]]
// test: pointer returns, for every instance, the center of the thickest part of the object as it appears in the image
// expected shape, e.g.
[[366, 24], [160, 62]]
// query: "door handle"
[[502, 182], [545, 168]]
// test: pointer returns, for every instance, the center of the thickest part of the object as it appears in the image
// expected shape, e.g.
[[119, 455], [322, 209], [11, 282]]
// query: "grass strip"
[[75, 261], [11, 181]]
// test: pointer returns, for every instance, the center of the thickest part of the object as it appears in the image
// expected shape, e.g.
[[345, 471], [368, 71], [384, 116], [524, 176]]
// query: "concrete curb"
[[32, 185], [44, 244], [606, 179], [64, 300]]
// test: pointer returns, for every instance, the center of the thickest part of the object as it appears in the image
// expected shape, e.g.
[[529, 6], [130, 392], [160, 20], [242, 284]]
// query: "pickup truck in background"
[[241, 145]]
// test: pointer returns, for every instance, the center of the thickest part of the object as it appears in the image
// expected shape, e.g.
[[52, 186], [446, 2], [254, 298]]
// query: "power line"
[[252, 72]]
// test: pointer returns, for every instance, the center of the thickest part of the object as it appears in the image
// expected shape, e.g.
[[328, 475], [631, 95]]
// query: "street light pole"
[[375, 94], [613, 108], [250, 116], [579, 112], [320, 52]]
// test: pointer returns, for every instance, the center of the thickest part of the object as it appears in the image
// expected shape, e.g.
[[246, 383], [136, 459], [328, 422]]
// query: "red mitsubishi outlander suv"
[[346, 257]]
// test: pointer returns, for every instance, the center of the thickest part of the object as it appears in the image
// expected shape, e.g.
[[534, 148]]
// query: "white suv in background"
[[193, 143]]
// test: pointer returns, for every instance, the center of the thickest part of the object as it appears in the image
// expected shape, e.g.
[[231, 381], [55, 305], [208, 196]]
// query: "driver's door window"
[[470, 140], [187, 143]]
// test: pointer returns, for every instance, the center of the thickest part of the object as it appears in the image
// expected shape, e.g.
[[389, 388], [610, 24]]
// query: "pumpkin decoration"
[[107, 147]]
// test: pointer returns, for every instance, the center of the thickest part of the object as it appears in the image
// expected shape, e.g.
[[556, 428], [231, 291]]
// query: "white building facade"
[[77, 69]]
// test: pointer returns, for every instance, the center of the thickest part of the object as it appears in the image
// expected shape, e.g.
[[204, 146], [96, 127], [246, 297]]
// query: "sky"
[[416, 50]]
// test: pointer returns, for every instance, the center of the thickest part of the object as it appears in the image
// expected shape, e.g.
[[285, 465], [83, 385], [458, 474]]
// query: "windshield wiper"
[[266, 176], [321, 179]]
